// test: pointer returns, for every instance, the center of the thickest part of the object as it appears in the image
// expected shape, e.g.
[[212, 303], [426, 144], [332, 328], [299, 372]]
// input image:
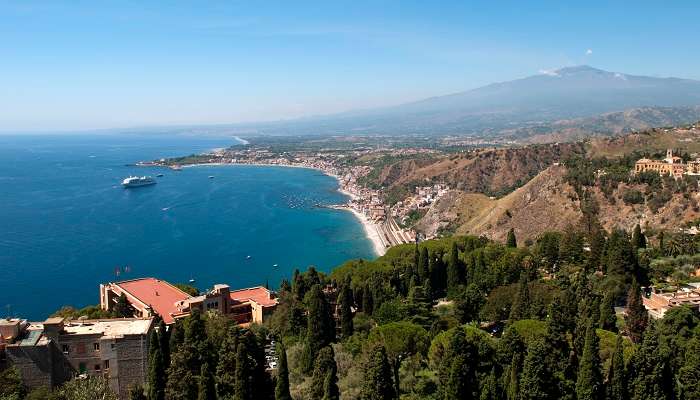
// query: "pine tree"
[[521, 306], [226, 368], [156, 369], [608, 320], [182, 383], [243, 386], [616, 388], [648, 366], [511, 241], [639, 241], [377, 384], [177, 336], [323, 367], [535, 381], [454, 270], [282, 384], [206, 384], [620, 256], [320, 326], [636, 319], [345, 299], [123, 308], [689, 373], [589, 384], [367, 300], [512, 384], [456, 387], [467, 307]]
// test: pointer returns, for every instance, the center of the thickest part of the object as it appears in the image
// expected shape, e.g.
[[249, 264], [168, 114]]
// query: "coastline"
[[372, 233]]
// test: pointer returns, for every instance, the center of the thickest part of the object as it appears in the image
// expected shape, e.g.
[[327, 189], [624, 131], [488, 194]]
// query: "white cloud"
[[589, 52], [550, 72]]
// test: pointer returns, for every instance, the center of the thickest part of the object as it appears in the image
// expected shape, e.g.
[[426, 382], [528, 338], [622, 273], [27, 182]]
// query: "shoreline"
[[371, 231]]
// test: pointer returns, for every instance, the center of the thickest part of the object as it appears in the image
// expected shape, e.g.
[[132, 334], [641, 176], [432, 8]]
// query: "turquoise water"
[[66, 224]]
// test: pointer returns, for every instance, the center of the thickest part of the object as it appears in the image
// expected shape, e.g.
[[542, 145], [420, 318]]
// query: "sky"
[[98, 64]]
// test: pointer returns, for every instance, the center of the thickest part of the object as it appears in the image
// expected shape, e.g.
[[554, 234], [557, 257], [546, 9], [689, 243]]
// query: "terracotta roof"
[[158, 294], [258, 294]]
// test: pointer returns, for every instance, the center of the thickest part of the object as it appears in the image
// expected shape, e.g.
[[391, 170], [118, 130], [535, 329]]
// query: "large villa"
[[670, 166]]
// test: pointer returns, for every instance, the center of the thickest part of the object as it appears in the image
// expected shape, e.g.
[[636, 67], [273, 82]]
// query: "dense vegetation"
[[456, 318]]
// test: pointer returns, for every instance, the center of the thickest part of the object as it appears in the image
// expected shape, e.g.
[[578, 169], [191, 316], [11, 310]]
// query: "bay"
[[66, 224]]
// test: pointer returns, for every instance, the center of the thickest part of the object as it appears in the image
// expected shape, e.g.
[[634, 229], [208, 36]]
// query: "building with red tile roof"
[[150, 296]]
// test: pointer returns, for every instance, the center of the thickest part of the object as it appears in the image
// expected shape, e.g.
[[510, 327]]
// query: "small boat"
[[248, 257], [159, 176], [275, 265], [211, 176], [192, 280], [176, 168]]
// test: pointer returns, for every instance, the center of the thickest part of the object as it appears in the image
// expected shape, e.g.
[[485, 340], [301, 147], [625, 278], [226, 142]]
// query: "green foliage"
[[636, 318], [189, 289], [616, 388], [320, 330], [90, 388], [632, 196], [123, 308], [589, 384], [346, 301], [11, 383], [468, 306], [377, 384], [689, 374], [535, 381], [649, 370], [90, 312], [156, 369], [324, 378], [206, 384], [511, 241], [282, 383]]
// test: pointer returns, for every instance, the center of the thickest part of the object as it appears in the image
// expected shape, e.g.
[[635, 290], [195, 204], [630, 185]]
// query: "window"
[[65, 348], [112, 345], [96, 346], [97, 367], [106, 364]]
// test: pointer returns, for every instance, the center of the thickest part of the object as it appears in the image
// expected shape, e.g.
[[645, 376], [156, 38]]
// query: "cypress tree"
[[454, 270], [177, 336], [367, 300], [206, 384], [156, 369], [243, 386], [320, 330], [282, 384], [689, 373], [620, 256], [535, 381], [123, 308], [589, 384], [226, 368], [608, 320], [648, 366], [182, 382], [345, 299], [636, 319], [135, 392], [164, 339], [490, 390], [377, 384], [456, 387], [521, 306], [616, 388], [512, 384], [324, 368], [511, 241], [330, 387], [639, 241], [423, 266]]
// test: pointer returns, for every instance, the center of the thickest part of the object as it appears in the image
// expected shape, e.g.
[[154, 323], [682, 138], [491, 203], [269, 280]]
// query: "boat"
[[211, 176], [159, 176], [138, 181], [176, 168], [275, 265], [248, 257]]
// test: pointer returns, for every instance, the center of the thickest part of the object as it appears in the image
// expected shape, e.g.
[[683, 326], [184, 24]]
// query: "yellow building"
[[671, 165]]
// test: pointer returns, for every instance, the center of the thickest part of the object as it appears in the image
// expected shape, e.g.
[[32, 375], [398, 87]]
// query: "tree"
[[400, 340], [320, 330], [689, 374], [468, 306], [244, 388], [330, 387], [377, 384], [608, 320], [454, 270], [521, 306], [649, 379], [456, 387], [345, 299], [182, 381], [325, 373], [123, 308], [512, 383], [282, 384], [620, 257], [510, 240], [589, 384], [636, 319], [90, 388], [206, 384], [639, 241], [457, 372], [423, 265], [135, 392], [11, 384], [156, 369], [535, 381], [164, 342], [177, 336], [226, 368], [616, 388]]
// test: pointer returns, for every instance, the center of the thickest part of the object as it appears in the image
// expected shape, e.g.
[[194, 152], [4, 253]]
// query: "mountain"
[[497, 109]]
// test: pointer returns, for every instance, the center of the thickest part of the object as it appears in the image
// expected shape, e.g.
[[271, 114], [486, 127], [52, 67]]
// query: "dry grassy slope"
[[655, 140], [485, 171]]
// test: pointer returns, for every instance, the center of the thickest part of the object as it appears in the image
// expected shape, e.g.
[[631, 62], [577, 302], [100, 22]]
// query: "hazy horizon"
[[125, 65]]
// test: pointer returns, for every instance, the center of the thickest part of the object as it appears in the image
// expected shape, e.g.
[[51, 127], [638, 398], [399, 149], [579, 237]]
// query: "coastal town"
[[384, 224]]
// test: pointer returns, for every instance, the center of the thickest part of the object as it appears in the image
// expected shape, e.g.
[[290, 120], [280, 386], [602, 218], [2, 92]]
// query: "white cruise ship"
[[136, 181]]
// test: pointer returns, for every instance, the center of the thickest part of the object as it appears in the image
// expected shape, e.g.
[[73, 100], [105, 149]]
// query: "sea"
[[67, 225]]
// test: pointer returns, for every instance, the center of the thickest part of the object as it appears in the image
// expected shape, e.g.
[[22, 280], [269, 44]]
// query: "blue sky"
[[99, 64]]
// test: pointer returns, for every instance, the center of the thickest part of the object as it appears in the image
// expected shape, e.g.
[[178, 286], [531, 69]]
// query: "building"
[[671, 165], [657, 303], [52, 352], [151, 296]]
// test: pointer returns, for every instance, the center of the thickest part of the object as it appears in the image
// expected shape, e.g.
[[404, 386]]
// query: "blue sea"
[[66, 224]]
